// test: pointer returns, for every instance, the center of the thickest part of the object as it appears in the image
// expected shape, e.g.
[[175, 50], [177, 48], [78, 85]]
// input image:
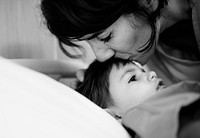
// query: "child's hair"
[[95, 85]]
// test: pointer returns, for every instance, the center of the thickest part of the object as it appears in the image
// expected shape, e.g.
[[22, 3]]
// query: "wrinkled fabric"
[[32, 105], [158, 117], [172, 69], [195, 4]]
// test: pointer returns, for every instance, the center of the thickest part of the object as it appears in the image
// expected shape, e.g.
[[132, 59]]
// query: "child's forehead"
[[125, 65], [131, 63]]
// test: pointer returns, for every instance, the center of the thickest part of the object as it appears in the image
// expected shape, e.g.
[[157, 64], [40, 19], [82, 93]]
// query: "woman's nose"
[[102, 53], [151, 76]]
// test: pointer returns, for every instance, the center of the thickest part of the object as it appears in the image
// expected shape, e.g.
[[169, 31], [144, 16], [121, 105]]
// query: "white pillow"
[[34, 105]]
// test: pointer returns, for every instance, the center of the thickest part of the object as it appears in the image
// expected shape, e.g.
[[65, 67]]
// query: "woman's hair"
[[70, 20], [95, 85]]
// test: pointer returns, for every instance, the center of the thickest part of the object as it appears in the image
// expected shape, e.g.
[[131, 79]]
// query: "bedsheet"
[[171, 113], [33, 105]]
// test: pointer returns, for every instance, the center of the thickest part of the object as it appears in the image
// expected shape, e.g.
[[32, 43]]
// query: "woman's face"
[[127, 38], [130, 85]]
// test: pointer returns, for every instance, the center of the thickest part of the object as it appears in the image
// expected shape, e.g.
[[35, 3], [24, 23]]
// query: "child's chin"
[[161, 87]]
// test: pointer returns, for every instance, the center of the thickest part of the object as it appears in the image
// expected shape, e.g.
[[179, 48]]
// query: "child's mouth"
[[160, 85]]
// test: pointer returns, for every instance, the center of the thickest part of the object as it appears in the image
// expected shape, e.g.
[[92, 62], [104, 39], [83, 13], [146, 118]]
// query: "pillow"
[[34, 105]]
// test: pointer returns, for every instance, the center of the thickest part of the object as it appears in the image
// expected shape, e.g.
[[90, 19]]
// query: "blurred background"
[[25, 39], [23, 34]]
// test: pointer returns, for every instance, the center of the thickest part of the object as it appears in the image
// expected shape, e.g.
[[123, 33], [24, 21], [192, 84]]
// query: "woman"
[[130, 29]]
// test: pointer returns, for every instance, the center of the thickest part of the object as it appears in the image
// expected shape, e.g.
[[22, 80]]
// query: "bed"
[[34, 105], [34, 102]]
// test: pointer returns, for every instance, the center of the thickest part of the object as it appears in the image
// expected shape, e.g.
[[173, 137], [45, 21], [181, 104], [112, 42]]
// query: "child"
[[124, 89], [117, 85]]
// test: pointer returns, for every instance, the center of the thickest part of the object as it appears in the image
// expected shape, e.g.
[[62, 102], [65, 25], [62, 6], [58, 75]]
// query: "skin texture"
[[130, 85], [123, 39], [129, 31], [129, 34]]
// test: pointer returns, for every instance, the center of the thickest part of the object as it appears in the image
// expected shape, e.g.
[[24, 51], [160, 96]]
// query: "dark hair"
[[72, 19], [96, 81]]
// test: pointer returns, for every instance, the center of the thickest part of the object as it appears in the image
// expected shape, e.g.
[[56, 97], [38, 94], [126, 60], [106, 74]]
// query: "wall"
[[21, 32]]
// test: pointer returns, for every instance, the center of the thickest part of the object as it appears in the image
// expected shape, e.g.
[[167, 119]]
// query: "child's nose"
[[152, 76]]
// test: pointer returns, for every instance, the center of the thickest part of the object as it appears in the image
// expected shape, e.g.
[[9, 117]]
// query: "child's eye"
[[106, 39], [133, 78], [143, 70]]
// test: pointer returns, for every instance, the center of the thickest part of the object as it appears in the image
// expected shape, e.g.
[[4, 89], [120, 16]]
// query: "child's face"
[[130, 85]]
